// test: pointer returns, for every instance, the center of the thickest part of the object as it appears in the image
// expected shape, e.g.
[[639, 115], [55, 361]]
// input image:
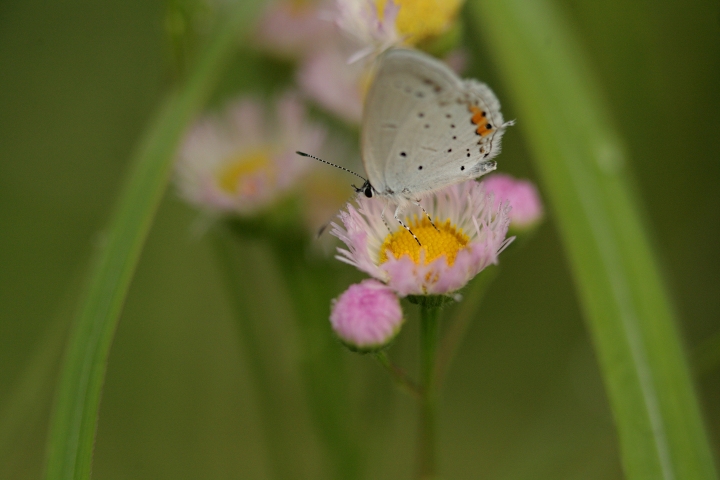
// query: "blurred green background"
[[78, 83]]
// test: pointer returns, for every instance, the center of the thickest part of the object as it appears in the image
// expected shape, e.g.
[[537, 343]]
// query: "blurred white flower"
[[240, 162]]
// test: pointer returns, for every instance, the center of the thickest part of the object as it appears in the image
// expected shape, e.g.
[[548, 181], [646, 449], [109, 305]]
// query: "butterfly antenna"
[[302, 154]]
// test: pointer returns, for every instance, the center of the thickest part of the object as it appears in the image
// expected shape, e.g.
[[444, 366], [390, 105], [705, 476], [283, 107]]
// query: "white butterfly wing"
[[392, 99], [425, 128]]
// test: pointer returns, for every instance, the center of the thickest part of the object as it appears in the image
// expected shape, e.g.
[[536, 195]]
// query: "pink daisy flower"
[[522, 195], [240, 162], [470, 235], [367, 316]]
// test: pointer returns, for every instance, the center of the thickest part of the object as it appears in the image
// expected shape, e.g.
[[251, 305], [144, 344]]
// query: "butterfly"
[[425, 128]]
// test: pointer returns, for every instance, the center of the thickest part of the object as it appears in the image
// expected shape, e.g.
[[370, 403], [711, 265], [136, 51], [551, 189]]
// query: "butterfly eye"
[[368, 191]]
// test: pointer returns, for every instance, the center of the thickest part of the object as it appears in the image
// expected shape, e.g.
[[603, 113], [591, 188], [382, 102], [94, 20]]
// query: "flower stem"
[[321, 366], [325, 378], [308, 282], [399, 375], [429, 327], [280, 451]]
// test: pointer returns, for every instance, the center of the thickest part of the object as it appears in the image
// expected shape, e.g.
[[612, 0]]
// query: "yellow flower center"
[[446, 240], [230, 177], [419, 20]]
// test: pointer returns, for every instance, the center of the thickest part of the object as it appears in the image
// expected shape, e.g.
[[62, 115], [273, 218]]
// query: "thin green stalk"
[[323, 372], [74, 420], [270, 403], [427, 434], [465, 314], [583, 169], [398, 375], [325, 380], [309, 282]]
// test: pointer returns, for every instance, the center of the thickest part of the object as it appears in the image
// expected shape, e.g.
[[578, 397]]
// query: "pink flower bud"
[[524, 199], [367, 316]]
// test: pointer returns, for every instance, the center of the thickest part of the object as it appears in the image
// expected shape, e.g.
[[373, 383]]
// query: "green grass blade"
[[582, 166], [73, 425]]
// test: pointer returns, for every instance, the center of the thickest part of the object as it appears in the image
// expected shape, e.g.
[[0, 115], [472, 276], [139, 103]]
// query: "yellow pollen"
[[250, 163], [419, 20], [447, 241]]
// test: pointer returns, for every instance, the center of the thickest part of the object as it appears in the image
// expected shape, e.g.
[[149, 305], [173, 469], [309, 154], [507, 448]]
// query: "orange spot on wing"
[[479, 118]]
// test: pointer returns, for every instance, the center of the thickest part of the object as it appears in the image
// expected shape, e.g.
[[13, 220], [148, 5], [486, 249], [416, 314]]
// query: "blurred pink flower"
[[293, 29], [367, 316], [522, 195], [335, 85], [240, 162], [470, 235]]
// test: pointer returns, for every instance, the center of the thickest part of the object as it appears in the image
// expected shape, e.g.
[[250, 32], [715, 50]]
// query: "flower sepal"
[[432, 301], [367, 349]]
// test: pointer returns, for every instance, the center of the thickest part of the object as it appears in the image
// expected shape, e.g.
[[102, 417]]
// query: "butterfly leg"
[[382, 216], [417, 204], [397, 217]]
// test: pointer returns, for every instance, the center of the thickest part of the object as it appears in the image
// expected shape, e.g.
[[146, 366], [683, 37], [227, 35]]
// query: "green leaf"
[[74, 420], [581, 163]]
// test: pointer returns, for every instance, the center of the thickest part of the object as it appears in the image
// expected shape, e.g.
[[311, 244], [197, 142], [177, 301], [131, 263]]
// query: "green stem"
[[583, 167], [706, 356], [398, 375], [325, 378], [270, 405], [309, 285], [322, 368], [427, 455], [77, 403], [466, 311]]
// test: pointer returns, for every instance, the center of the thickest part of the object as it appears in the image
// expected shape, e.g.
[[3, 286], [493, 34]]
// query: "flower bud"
[[367, 316], [524, 199]]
